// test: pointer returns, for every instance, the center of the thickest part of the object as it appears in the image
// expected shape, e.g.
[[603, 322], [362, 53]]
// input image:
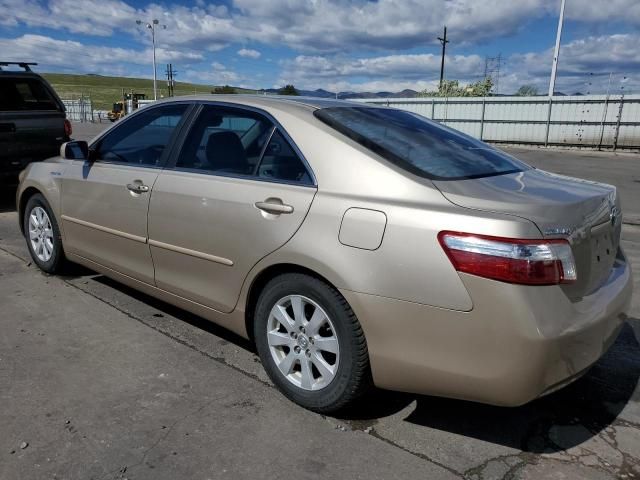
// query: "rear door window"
[[232, 141], [225, 140], [419, 145], [280, 162], [25, 94]]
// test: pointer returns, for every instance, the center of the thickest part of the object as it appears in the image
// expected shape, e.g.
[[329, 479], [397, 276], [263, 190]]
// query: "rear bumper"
[[516, 344]]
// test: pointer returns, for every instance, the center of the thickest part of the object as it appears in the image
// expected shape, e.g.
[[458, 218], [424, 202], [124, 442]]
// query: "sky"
[[337, 45]]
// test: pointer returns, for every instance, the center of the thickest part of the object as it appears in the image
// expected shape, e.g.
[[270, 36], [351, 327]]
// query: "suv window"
[[418, 145], [141, 140], [25, 94], [226, 140]]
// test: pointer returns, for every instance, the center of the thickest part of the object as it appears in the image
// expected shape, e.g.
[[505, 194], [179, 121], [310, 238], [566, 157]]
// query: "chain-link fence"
[[79, 108]]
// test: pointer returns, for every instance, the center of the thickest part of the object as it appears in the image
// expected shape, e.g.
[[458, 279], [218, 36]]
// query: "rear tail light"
[[67, 128], [526, 262]]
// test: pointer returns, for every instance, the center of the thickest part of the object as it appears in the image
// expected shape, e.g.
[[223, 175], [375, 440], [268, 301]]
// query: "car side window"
[[224, 140], [141, 140], [280, 162]]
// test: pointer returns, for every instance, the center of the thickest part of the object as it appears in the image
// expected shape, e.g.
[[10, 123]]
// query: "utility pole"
[[443, 41], [171, 73], [556, 53]]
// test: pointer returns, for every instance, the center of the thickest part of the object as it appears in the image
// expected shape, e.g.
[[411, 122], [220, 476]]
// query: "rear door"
[[105, 201], [238, 191], [31, 122]]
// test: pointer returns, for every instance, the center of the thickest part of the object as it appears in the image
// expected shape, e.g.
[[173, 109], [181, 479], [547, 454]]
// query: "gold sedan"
[[355, 245]]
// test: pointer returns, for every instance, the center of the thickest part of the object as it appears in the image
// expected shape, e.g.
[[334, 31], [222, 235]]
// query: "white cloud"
[[76, 56], [584, 64], [91, 17], [249, 53], [326, 25], [327, 34], [601, 11], [311, 26], [218, 75], [584, 67], [388, 73]]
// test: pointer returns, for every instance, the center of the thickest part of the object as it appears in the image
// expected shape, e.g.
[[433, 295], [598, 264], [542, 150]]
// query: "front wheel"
[[311, 343], [43, 235]]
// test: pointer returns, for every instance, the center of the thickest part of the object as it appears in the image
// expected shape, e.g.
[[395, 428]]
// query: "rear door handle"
[[138, 187], [273, 206]]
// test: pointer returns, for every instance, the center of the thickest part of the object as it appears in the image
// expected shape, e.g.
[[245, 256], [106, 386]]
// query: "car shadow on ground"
[[169, 310], [561, 420], [7, 198], [553, 423]]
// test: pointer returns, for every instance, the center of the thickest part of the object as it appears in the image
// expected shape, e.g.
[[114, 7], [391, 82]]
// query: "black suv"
[[33, 123]]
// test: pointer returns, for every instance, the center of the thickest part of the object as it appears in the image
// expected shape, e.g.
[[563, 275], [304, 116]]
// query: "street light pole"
[[155, 73], [556, 53], [152, 26]]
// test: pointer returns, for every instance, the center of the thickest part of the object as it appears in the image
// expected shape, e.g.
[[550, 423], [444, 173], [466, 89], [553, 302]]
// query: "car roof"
[[281, 102], [19, 74]]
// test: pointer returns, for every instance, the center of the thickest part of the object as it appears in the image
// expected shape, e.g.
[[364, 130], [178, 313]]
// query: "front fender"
[[44, 178]]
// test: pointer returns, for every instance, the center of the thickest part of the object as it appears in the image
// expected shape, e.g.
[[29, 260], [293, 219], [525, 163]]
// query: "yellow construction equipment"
[[123, 107]]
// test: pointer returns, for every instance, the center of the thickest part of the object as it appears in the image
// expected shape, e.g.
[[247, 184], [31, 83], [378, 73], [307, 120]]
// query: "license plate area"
[[603, 253]]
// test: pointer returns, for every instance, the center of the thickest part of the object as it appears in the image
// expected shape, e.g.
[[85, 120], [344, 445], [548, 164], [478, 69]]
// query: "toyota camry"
[[356, 245]]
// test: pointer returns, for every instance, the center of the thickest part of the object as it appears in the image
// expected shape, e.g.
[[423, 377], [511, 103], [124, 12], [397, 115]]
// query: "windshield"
[[419, 145]]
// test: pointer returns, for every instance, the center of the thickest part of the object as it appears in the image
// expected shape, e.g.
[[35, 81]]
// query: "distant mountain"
[[321, 93]]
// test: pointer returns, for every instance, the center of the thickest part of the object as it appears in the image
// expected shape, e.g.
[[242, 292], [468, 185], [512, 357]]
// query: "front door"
[[237, 192], [105, 201]]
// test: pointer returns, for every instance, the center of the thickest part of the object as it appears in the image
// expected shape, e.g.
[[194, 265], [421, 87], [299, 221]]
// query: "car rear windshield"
[[419, 145], [25, 94]]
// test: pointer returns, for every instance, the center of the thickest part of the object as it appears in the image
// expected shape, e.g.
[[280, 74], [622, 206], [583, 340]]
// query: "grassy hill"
[[104, 91]]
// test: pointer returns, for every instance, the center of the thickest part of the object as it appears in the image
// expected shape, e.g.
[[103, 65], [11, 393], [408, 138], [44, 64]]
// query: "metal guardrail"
[[602, 121]]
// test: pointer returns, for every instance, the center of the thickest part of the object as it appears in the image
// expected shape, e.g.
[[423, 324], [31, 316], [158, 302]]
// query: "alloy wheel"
[[41, 234], [303, 343]]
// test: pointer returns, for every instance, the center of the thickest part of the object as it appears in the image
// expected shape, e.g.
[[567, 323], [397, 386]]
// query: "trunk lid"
[[586, 213]]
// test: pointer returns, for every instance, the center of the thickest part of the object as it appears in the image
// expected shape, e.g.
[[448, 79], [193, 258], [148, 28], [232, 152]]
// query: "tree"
[[527, 91], [452, 88], [288, 90], [224, 89]]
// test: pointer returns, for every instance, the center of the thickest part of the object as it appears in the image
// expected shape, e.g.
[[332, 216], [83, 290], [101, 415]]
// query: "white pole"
[[556, 54], [153, 40]]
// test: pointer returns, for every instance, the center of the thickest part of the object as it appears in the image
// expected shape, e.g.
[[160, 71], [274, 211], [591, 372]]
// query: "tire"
[[327, 360], [46, 249]]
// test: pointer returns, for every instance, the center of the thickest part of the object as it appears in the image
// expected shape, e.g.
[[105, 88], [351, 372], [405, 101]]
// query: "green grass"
[[104, 91]]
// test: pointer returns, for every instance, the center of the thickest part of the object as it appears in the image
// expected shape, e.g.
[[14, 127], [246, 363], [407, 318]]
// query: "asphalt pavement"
[[98, 381]]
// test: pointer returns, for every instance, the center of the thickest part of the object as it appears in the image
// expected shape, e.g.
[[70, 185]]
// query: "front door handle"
[[274, 206], [138, 187]]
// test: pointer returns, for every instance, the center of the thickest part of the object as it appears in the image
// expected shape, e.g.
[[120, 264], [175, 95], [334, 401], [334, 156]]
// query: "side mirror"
[[75, 150]]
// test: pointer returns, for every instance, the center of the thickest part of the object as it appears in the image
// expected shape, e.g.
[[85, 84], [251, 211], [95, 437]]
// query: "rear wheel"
[[311, 343], [43, 235]]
